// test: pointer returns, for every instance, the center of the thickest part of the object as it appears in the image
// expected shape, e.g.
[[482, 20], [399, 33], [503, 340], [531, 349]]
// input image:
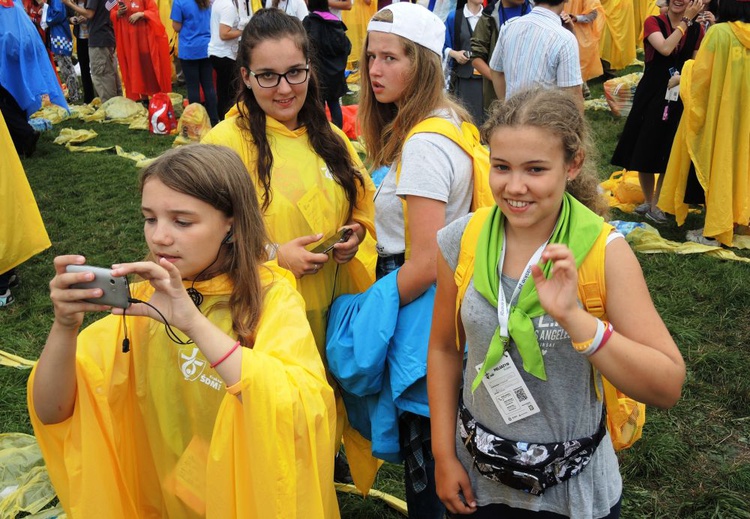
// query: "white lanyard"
[[503, 308]]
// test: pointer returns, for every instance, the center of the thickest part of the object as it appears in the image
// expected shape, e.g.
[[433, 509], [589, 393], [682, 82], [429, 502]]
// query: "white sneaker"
[[696, 236]]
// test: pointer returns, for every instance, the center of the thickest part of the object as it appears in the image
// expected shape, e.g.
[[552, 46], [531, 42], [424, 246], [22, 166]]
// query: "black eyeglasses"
[[296, 76]]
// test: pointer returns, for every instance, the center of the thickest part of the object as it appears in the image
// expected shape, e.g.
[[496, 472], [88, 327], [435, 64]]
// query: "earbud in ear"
[[229, 238]]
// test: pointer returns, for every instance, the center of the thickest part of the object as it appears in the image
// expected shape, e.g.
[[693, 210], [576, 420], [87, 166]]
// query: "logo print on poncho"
[[190, 365]]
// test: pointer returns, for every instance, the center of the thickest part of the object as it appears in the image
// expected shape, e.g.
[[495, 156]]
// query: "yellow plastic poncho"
[[642, 9], [588, 36], [617, 45], [155, 434], [714, 132], [356, 21], [307, 200], [22, 232]]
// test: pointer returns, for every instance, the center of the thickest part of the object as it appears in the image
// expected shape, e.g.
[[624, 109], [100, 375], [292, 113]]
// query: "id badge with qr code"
[[508, 391]]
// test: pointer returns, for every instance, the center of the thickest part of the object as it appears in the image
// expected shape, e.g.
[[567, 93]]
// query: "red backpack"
[[161, 118]]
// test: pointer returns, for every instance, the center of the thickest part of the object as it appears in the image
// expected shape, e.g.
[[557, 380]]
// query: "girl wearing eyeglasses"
[[308, 177]]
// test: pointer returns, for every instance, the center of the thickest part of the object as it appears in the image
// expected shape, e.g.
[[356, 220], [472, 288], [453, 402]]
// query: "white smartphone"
[[116, 290]]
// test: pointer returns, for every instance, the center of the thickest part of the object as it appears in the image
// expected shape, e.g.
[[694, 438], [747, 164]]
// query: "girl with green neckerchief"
[[527, 343]]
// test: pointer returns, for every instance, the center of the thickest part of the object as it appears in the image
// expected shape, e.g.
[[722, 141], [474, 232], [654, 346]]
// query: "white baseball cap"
[[415, 23]]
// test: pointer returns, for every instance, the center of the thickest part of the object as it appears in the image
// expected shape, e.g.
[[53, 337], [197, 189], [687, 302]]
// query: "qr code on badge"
[[520, 394]]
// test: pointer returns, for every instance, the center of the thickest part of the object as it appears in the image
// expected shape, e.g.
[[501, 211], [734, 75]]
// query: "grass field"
[[693, 460]]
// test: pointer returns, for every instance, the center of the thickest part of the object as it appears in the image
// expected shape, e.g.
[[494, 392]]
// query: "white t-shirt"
[[296, 8], [223, 12], [432, 166]]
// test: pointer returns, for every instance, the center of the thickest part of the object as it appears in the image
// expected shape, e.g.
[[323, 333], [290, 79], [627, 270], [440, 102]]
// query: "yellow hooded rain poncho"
[[154, 433], [588, 36], [22, 232], [356, 21], [307, 200], [617, 45], [714, 132]]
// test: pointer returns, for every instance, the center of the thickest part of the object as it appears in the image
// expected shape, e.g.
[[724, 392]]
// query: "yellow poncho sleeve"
[[154, 433], [22, 232]]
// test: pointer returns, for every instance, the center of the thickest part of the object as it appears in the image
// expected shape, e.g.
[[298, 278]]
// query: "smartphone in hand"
[[326, 246], [116, 290]]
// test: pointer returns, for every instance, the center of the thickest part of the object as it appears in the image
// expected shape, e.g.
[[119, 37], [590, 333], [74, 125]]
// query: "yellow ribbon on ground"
[[649, 242], [394, 502], [14, 361], [139, 158]]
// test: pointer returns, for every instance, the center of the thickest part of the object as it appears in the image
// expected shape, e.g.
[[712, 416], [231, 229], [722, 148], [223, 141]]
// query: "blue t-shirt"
[[196, 28]]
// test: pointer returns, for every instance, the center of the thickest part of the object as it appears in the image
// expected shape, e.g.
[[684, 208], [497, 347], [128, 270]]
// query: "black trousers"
[[227, 80], [23, 135]]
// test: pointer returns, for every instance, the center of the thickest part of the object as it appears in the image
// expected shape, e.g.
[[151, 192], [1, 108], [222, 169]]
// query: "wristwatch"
[[687, 21]]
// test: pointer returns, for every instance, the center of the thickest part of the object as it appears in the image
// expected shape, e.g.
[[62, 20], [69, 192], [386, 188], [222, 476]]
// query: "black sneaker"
[[341, 472]]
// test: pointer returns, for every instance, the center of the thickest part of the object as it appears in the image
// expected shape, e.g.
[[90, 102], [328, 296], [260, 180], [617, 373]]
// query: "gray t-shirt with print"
[[432, 166], [567, 400]]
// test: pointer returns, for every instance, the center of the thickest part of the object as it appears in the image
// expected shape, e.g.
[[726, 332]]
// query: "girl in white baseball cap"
[[430, 180]]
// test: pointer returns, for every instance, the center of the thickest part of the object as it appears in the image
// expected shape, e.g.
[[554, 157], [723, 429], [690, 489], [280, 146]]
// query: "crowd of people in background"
[[237, 289]]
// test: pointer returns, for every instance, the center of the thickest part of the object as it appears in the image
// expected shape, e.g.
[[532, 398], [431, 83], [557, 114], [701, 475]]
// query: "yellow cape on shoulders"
[[154, 433]]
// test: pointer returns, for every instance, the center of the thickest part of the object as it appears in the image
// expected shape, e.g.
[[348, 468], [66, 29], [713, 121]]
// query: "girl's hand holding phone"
[[345, 251], [170, 296], [69, 305], [294, 256]]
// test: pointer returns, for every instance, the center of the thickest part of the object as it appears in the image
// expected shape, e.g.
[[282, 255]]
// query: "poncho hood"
[[742, 32]]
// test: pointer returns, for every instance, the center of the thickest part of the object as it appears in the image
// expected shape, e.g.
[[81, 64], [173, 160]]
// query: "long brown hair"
[[273, 24], [555, 111], [385, 125], [217, 176]]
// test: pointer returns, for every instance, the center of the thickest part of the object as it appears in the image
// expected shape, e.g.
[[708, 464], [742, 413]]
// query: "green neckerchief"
[[578, 228]]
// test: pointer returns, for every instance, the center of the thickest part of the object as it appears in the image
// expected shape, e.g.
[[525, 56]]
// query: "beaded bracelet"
[[226, 355]]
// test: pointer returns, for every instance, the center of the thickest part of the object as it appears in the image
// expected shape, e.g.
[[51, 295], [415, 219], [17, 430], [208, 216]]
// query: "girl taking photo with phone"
[[307, 175], [520, 320], [221, 407]]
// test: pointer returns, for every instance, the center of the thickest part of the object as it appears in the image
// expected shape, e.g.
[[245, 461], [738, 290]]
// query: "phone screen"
[[327, 245]]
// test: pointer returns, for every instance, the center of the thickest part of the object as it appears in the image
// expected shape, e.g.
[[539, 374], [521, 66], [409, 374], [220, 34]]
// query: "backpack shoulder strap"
[[440, 126], [465, 267], [592, 289]]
